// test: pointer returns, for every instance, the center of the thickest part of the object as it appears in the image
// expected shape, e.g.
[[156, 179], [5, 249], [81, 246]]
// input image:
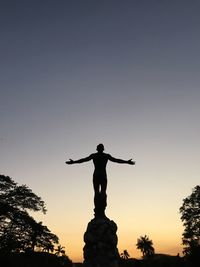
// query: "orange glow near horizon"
[[158, 218], [165, 242], [171, 246]]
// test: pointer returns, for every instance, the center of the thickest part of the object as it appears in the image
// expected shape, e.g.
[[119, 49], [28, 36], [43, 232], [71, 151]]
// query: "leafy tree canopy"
[[125, 255], [146, 246], [20, 197], [190, 215], [18, 230]]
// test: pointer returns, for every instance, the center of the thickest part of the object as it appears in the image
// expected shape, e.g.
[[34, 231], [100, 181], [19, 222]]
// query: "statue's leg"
[[103, 194], [96, 186], [103, 186]]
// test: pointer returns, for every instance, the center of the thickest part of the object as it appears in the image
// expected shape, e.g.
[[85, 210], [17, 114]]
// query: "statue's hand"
[[70, 161], [131, 162]]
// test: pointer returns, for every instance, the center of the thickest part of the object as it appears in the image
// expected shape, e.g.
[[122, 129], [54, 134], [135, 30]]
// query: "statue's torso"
[[100, 161]]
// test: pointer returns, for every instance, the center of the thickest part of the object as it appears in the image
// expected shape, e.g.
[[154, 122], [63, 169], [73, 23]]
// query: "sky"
[[74, 74]]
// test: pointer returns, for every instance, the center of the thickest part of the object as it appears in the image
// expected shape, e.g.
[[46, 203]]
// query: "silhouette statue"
[[100, 160]]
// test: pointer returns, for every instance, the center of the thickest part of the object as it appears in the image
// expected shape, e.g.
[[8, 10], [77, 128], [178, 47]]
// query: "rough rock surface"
[[100, 239]]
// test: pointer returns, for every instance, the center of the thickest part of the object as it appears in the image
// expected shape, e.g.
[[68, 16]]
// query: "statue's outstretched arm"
[[130, 161], [70, 161]]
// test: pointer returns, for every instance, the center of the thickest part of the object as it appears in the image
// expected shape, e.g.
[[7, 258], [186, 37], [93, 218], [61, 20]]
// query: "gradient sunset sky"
[[123, 73]]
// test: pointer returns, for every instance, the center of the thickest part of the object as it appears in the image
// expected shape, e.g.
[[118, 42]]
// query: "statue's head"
[[100, 148]]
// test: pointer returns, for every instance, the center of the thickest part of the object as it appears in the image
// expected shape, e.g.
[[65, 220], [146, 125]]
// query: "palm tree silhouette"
[[146, 246], [125, 255], [60, 250]]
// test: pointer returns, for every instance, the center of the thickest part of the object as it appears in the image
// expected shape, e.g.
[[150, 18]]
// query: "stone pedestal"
[[100, 239]]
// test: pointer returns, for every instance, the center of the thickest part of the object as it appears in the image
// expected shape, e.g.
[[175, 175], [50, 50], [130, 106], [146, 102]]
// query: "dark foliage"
[[34, 259], [19, 232], [124, 255], [190, 215], [146, 246]]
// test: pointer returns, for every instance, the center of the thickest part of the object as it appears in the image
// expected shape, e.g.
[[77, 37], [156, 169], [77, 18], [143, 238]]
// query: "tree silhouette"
[[19, 197], [18, 230], [48, 248], [60, 250], [190, 215], [146, 246], [125, 255]]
